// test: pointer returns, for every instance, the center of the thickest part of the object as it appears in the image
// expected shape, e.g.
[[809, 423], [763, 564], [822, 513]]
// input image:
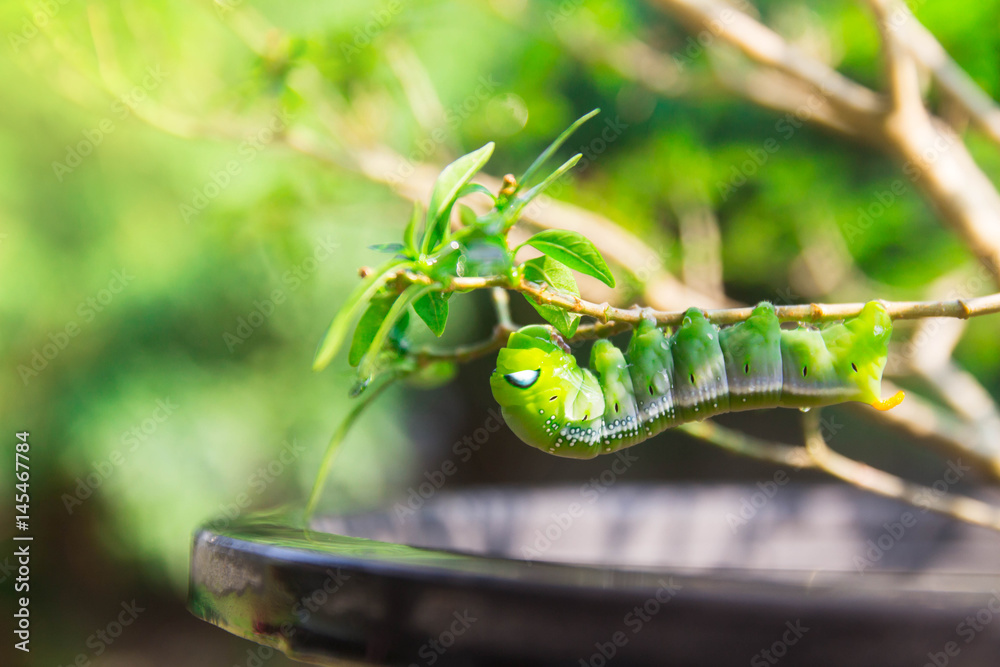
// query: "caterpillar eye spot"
[[854, 367], [523, 379], [650, 390], [692, 378], [746, 369], [805, 371], [553, 398]]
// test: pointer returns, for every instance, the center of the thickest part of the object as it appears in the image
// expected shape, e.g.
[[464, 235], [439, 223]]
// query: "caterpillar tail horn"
[[889, 403]]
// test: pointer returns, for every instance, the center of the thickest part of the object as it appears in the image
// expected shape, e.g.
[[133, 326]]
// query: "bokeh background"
[[169, 259]]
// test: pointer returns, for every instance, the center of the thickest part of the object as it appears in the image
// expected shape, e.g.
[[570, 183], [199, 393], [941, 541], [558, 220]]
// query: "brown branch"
[[900, 68], [952, 79], [814, 312], [930, 153], [464, 353], [898, 310], [765, 47], [778, 91], [885, 484], [746, 445]]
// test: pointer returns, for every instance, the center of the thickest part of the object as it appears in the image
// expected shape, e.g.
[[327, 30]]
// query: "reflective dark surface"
[[623, 575]]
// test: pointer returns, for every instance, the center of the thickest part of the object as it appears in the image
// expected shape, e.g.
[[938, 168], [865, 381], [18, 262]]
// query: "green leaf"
[[368, 325], [513, 210], [397, 337], [337, 331], [575, 251], [372, 359], [467, 216], [433, 310], [446, 191], [553, 147], [471, 188], [547, 271], [391, 248], [487, 255], [410, 235], [333, 448]]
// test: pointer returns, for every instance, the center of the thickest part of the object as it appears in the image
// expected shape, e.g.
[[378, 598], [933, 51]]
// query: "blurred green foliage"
[[225, 306]]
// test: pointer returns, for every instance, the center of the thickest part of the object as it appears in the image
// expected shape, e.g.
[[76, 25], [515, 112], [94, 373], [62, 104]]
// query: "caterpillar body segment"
[[664, 380]]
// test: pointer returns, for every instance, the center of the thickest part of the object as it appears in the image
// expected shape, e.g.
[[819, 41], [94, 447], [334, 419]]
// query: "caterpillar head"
[[863, 353], [540, 387]]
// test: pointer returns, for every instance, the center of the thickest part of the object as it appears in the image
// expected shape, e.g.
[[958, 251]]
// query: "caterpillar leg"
[[889, 403]]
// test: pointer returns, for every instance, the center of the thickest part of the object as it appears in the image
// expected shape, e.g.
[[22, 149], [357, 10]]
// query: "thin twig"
[[465, 353], [763, 46], [501, 304], [815, 312], [333, 448], [746, 445], [928, 150], [900, 68], [952, 79], [878, 481]]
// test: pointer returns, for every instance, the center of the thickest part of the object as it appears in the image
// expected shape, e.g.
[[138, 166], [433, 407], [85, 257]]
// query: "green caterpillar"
[[699, 371]]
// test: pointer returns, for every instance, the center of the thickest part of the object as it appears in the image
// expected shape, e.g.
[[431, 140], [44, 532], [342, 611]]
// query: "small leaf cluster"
[[420, 275]]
